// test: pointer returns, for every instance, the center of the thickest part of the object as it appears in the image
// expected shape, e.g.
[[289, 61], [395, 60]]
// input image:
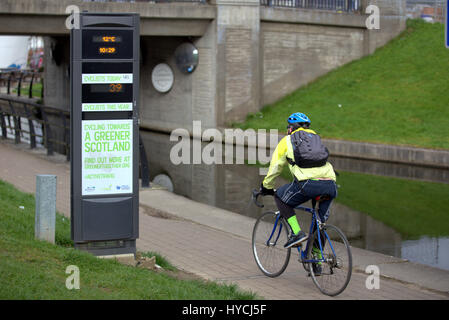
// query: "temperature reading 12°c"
[[103, 38]]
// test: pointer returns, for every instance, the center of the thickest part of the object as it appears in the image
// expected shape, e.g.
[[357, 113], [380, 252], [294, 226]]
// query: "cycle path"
[[215, 244]]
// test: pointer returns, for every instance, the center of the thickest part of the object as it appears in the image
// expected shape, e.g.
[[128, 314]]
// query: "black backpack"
[[308, 150]]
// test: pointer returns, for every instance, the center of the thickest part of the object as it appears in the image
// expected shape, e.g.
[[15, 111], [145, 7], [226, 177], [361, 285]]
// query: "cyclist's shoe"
[[317, 269], [295, 239]]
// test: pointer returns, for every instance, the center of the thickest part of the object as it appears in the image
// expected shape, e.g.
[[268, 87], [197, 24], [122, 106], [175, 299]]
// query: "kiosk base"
[[106, 248]]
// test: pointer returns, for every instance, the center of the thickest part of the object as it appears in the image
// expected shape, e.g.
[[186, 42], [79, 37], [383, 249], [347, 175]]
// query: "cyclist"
[[309, 182]]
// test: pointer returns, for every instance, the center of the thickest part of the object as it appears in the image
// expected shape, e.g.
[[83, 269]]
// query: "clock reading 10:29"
[[107, 44], [106, 50]]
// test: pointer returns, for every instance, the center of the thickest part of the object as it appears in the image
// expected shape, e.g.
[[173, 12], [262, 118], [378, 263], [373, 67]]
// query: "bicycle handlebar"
[[255, 196]]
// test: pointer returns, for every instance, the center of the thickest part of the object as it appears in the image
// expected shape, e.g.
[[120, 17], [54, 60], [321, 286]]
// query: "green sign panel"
[[107, 157]]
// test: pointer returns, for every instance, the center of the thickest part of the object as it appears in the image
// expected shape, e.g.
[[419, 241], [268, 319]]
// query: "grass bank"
[[31, 269], [397, 96]]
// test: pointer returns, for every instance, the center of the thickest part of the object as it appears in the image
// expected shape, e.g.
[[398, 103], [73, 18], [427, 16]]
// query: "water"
[[229, 187], [431, 251]]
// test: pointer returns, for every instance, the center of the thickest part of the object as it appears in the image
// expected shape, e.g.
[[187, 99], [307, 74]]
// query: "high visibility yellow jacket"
[[283, 150]]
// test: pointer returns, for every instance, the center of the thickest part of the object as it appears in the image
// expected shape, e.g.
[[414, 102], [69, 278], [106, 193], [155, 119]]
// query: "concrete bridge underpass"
[[251, 52]]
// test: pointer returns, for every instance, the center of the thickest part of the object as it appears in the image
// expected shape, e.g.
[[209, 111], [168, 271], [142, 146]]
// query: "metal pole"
[[45, 217], [143, 165], [435, 11]]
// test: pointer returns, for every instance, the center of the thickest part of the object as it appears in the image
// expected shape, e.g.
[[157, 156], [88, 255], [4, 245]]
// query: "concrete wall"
[[392, 22], [238, 77], [171, 109], [57, 81], [295, 54], [48, 16], [398, 154], [57, 72], [192, 96]]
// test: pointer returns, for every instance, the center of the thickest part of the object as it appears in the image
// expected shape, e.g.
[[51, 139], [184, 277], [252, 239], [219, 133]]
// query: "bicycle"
[[334, 257]]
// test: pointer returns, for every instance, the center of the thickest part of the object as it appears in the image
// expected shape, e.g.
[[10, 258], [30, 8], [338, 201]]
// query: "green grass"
[[413, 208], [398, 95], [25, 90], [32, 269]]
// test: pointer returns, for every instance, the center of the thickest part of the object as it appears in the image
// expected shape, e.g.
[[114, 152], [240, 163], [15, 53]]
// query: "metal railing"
[[20, 83], [24, 119], [150, 1], [335, 5]]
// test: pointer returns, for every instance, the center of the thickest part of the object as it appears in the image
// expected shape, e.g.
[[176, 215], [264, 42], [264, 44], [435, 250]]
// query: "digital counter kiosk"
[[104, 133]]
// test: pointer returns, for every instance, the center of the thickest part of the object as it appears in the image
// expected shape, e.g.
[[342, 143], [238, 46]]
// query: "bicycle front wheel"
[[270, 233], [332, 275]]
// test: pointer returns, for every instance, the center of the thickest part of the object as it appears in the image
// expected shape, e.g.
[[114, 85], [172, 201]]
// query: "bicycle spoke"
[[270, 256], [337, 265]]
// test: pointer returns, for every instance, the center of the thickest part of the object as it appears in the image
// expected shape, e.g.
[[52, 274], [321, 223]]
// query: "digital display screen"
[[105, 93], [107, 44], [110, 87]]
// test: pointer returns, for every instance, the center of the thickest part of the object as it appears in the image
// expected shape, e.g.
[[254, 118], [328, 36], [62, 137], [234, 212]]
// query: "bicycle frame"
[[274, 228], [315, 223]]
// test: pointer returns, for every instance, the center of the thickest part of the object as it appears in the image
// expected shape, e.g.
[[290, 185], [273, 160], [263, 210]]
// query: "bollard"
[[45, 218]]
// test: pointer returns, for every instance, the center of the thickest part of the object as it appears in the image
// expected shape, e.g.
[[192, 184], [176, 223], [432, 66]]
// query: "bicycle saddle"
[[322, 197]]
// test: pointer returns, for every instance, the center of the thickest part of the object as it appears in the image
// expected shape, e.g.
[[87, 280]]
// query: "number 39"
[[115, 87]]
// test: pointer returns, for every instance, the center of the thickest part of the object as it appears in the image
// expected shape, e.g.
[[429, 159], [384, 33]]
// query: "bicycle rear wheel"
[[268, 242], [336, 269]]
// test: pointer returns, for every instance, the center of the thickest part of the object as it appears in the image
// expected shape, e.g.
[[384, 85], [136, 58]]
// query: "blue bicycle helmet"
[[298, 117]]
